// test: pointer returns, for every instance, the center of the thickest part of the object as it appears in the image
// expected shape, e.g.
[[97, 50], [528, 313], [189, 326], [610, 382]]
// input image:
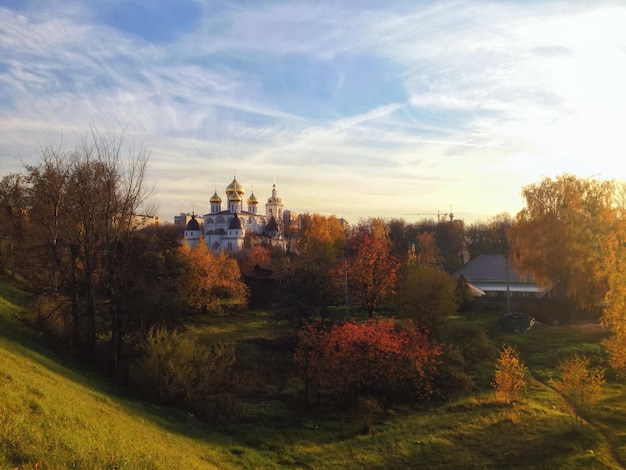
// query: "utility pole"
[[508, 288]]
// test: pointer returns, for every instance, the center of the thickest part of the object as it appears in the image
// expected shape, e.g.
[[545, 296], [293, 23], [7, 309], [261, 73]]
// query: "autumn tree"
[[426, 249], [580, 386], [81, 204], [509, 380], [558, 235], [372, 269], [614, 314], [573, 233], [312, 281], [257, 256], [209, 279], [99, 275], [426, 294], [449, 238], [377, 358], [321, 238]]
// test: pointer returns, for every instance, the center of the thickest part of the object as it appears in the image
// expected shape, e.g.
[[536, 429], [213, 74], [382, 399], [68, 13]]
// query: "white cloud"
[[497, 94]]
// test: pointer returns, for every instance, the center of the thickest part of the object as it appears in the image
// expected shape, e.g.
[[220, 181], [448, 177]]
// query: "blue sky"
[[356, 108]]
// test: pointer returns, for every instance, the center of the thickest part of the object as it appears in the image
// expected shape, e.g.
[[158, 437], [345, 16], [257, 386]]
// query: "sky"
[[359, 109]]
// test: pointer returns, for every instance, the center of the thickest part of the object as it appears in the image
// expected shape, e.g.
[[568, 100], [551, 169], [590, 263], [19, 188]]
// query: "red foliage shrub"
[[374, 358]]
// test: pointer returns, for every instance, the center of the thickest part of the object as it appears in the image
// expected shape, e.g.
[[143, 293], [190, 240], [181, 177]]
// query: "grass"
[[56, 412], [63, 416]]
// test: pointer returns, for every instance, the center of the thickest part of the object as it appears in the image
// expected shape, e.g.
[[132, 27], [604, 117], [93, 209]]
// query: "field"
[[57, 413]]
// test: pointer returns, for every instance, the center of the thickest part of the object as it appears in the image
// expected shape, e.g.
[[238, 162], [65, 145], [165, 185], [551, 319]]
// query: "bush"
[[451, 379], [473, 345], [580, 386], [376, 358], [174, 370]]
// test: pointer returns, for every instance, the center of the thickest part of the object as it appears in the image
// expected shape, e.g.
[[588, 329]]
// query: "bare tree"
[[84, 201]]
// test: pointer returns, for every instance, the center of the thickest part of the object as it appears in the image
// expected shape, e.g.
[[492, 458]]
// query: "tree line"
[[69, 228], [104, 286]]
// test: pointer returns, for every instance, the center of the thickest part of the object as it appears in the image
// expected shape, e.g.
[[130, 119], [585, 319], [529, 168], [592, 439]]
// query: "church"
[[224, 229]]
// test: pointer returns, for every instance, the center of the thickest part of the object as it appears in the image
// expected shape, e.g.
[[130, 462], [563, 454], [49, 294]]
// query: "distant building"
[[183, 219], [140, 221], [224, 229]]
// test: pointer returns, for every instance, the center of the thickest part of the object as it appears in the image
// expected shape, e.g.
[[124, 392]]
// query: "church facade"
[[225, 227]]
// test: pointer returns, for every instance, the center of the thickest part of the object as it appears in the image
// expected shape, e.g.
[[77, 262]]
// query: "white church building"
[[224, 229]]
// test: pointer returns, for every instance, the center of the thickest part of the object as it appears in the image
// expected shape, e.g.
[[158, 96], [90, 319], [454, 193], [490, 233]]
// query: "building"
[[183, 219], [494, 275], [230, 220], [141, 221]]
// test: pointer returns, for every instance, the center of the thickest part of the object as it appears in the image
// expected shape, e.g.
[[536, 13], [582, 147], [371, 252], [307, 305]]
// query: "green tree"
[[175, 370], [580, 386], [426, 294], [309, 288]]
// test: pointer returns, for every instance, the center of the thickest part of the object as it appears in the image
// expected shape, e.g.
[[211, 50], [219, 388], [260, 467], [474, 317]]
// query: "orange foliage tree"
[[372, 268], [321, 238], [258, 255], [209, 279], [373, 358], [558, 236], [510, 376]]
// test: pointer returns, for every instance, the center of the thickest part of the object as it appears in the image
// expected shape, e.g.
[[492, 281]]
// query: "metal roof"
[[491, 268]]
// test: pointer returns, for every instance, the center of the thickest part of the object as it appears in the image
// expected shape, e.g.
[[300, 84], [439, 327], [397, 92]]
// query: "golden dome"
[[234, 196], [234, 187], [216, 198], [253, 199]]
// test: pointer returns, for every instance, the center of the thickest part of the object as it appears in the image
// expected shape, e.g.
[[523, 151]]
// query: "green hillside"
[[63, 417]]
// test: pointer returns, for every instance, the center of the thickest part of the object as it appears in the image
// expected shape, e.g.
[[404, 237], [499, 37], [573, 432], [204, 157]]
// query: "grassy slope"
[[54, 412], [63, 417]]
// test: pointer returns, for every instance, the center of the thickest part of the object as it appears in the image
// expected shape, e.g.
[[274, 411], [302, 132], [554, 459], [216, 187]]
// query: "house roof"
[[495, 268]]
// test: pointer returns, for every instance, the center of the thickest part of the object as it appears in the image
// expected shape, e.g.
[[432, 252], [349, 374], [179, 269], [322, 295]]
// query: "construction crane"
[[438, 214]]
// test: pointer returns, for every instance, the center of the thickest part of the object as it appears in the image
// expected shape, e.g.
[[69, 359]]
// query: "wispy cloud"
[[361, 108]]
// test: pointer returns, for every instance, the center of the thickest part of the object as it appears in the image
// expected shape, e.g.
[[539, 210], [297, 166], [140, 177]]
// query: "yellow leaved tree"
[[509, 380]]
